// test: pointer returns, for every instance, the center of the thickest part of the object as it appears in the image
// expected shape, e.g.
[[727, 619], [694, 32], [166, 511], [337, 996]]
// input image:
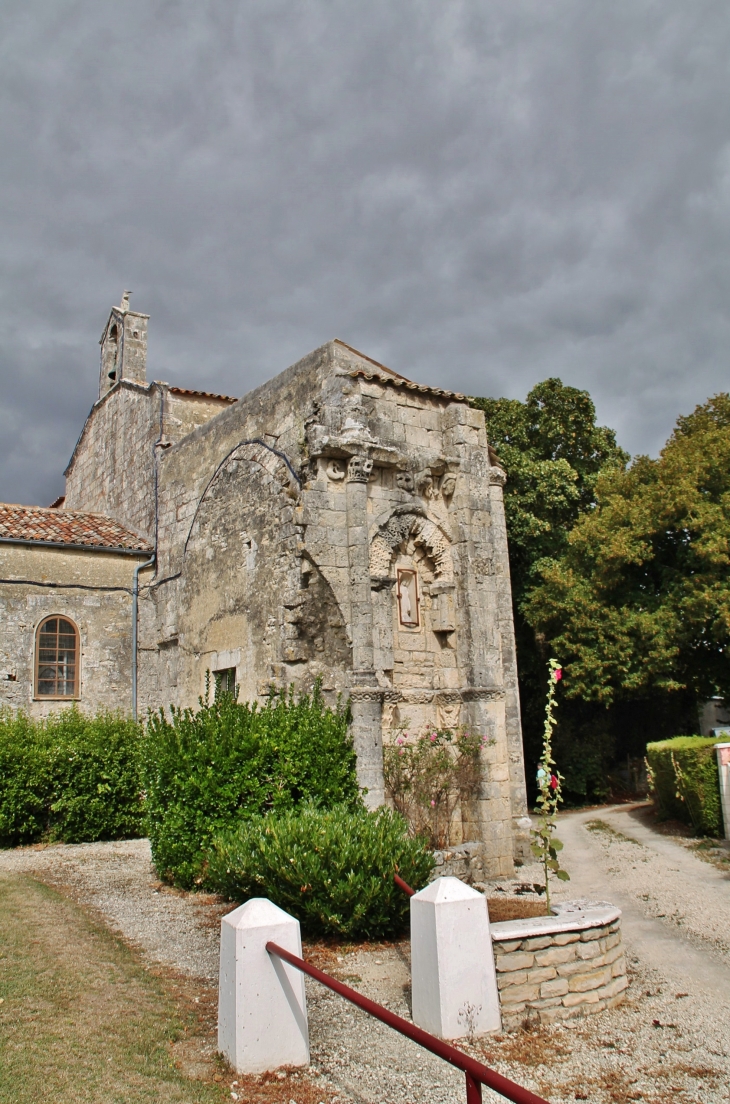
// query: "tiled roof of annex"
[[186, 391], [67, 527]]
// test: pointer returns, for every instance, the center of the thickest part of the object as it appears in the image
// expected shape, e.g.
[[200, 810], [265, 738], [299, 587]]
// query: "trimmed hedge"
[[206, 770], [332, 869], [684, 778], [69, 777]]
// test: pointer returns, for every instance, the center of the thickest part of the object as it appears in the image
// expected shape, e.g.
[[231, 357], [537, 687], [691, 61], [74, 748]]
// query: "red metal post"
[[480, 1074], [473, 1090]]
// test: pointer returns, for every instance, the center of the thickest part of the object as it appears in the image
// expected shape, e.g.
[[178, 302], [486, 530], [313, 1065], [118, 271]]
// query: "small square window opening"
[[225, 681]]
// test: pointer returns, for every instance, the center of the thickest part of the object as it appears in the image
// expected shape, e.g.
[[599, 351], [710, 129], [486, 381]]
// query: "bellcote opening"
[[123, 347]]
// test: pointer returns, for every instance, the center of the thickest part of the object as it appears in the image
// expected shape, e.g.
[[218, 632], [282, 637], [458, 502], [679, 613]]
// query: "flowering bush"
[[545, 844], [428, 777]]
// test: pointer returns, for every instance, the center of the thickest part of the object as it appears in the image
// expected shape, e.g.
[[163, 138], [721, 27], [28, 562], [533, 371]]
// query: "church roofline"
[[422, 388], [395, 379], [201, 394]]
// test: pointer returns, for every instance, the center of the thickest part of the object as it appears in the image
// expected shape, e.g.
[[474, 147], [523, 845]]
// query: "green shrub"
[[684, 778], [332, 869], [205, 770], [69, 777], [26, 783]]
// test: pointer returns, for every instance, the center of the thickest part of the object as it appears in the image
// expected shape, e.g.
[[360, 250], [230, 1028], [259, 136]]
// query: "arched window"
[[57, 659]]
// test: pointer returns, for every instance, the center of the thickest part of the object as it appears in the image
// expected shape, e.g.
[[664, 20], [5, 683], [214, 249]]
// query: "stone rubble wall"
[[558, 975], [465, 861]]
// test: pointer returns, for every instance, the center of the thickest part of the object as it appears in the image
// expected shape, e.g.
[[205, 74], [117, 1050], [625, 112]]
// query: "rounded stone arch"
[[410, 523], [247, 588], [263, 458]]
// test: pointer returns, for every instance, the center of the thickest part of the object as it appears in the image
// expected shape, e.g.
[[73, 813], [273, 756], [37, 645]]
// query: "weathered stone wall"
[[282, 525], [94, 590], [555, 968], [466, 861], [338, 523], [184, 413], [112, 470]]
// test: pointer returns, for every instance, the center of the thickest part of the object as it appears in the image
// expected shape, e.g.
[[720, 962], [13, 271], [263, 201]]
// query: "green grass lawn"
[[80, 1019]]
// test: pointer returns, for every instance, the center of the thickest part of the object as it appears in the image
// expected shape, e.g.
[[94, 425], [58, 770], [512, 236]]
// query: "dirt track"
[[670, 1040]]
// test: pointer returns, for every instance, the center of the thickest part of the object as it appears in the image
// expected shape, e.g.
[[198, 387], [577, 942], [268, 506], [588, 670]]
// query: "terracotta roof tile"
[[41, 523], [201, 394], [401, 381]]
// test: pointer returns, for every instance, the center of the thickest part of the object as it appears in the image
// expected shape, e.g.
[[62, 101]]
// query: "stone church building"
[[339, 523]]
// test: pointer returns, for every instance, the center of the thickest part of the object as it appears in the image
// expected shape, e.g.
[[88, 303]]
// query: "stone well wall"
[[555, 967]]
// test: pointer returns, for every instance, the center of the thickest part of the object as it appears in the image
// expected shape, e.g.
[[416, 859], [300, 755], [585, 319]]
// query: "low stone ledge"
[[558, 967]]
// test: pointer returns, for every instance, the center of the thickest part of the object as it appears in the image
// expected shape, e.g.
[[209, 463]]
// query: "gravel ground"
[[670, 1040]]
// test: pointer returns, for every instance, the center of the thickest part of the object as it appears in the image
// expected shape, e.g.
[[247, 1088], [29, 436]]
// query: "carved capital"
[[359, 469], [365, 693]]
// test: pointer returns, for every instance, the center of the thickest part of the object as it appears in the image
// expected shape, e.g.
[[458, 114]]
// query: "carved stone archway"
[[404, 524]]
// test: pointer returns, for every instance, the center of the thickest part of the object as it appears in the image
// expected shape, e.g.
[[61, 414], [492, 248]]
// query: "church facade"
[[339, 523]]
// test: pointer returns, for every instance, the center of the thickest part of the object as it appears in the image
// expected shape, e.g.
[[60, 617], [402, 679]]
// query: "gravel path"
[[670, 1040]]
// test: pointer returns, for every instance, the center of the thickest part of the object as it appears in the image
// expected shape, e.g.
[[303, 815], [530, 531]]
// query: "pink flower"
[[433, 737], [399, 740], [432, 804], [401, 752], [558, 673]]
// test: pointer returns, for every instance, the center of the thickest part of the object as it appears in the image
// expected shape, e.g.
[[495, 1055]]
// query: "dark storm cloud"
[[478, 194]]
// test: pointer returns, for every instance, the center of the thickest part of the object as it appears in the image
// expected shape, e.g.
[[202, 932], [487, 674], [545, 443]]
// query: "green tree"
[[637, 602], [553, 452]]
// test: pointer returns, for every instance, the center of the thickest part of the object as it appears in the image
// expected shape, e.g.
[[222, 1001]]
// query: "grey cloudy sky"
[[478, 194]]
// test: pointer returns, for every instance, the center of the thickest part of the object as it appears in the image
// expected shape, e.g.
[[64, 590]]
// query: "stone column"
[[520, 817], [365, 695]]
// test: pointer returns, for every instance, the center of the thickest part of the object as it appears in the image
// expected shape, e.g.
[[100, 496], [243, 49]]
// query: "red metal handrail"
[[403, 885], [476, 1074]]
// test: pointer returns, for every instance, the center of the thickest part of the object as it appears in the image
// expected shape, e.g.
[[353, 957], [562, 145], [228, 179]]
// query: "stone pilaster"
[[518, 796], [365, 696]]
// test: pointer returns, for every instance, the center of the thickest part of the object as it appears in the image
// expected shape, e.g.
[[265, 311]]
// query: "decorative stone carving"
[[366, 693], [408, 599], [359, 469], [407, 523], [390, 715], [424, 483], [405, 482], [335, 470], [448, 711], [448, 485]]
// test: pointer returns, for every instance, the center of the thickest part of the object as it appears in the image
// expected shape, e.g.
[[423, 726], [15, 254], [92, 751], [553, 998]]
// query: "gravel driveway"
[[670, 1040]]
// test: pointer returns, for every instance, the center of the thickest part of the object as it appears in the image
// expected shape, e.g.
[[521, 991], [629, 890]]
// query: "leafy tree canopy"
[[552, 451], [638, 599]]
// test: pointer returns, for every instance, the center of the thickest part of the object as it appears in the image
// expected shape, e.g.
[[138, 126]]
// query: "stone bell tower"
[[123, 347]]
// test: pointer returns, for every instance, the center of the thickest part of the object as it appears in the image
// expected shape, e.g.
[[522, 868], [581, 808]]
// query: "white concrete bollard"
[[262, 1011], [452, 961], [723, 765]]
